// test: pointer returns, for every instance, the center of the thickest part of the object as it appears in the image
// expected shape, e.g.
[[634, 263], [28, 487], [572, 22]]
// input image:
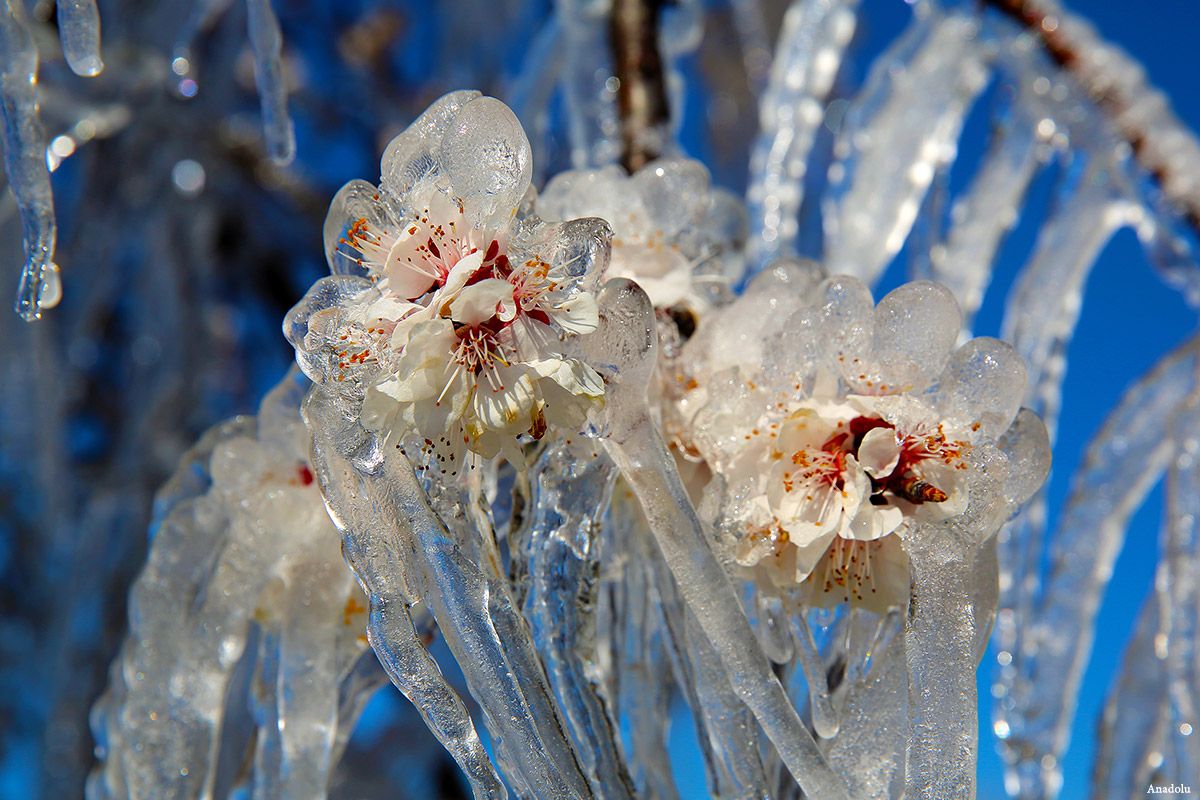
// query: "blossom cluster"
[[855, 427], [835, 428], [674, 234], [452, 308]]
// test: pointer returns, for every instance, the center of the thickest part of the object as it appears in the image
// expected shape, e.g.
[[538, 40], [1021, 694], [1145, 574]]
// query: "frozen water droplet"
[[51, 291], [487, 159], [916, 325], [983, 383], [411, 155]]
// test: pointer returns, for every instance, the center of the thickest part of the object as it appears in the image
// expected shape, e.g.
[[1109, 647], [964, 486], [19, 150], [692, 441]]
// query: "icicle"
[[981, 217], [590, 91], [899, 131], [646, 681], [572, 488], [1123, 462], [1135, 717], [557, 771], [632, 664], [264, 705], [267, 43], [359, 683], [773, 630], [1179, 595], [79, 30], [825, 721], [203, 14], [308, 677], [985, 593], [871, 703], [725, 728], [811, 45], [403, 552], [729, 730], [1044, 305], [627, 336], [25, 166], [380, 565]]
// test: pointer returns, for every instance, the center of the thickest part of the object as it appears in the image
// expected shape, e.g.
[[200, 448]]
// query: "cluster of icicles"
[[26, 156], [571, 451]]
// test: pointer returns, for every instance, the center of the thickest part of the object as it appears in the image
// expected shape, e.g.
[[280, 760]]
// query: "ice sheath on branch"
[[812, 43], [899, 131], [1134, 716], [572, 487], [403, 553], [946, 615], [353, 477], [628, 342], [243, 551], [1178, 584]]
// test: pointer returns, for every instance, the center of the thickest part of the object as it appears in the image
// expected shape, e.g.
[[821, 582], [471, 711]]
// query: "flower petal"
[[386, 308], [580, 314], [571, 374], [879, 452], [481, 301], [509, 407], [872, 522], [809, 555], [408, 273], [461, 272]]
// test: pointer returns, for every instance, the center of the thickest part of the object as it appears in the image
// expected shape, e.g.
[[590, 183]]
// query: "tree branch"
[[1166, 149], [642, 93]]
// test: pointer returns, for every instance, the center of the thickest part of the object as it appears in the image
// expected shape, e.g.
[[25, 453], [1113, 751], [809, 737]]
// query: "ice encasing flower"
[[674, 234], [449, 318], [853, 428]]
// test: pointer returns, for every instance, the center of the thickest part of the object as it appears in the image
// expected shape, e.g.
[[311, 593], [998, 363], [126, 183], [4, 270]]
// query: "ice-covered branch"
[[1162, 145], [247, 546], [901, 128], [808, 55], [988, 210], [1135, 716], [1123, 462], [1178, 584], [641, 89], [571, 490]]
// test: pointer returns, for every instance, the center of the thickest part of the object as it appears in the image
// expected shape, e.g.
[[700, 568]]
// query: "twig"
[[642, 93], [1148, 144]]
